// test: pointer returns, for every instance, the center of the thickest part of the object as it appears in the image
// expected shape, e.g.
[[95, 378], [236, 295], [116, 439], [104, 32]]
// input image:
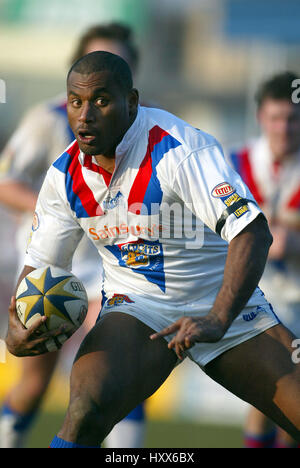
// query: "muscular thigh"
[[118, 363], [261, 371]]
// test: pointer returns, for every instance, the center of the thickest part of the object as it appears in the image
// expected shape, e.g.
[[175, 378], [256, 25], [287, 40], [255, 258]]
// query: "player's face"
[[99, 112], [280, 122]]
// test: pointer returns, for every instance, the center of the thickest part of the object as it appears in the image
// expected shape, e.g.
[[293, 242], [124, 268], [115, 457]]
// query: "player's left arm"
[[246, 259]]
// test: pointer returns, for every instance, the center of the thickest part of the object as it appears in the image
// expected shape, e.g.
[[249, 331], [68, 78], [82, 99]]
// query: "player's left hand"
[[191, 330]]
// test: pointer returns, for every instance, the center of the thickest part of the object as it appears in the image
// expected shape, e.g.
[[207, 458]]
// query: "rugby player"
[[175, 286]]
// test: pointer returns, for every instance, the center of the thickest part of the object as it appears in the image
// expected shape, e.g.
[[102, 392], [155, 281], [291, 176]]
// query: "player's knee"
[[85, 418]]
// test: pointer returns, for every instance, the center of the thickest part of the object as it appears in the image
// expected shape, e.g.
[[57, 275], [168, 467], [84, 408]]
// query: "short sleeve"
[[209, 186], [55, 232]]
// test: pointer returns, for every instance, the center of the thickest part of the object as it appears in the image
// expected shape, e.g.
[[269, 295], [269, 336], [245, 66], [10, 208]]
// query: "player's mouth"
[[86, 136]]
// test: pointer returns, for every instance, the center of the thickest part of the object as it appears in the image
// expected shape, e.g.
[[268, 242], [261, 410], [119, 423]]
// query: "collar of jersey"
[[132, 134]]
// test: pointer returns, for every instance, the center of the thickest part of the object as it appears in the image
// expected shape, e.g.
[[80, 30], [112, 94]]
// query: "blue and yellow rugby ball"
[[54, 293]]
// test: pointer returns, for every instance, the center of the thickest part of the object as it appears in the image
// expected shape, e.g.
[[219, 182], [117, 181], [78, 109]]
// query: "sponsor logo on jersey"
[[35, 222], [110, 203], [137, 255], [222, 190], [34, 227], [143, 257], [228, 195], [118, 299], [252, 315], [123, 230]]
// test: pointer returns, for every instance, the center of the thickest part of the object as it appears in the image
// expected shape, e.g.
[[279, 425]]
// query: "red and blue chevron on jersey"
[[146, 190], [79, 194]]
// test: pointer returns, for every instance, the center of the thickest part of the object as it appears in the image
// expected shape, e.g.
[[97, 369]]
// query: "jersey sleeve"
[[55, 232], [214, 192]]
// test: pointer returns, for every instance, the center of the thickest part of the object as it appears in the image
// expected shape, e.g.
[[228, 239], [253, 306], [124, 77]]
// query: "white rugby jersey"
[[154, 219]]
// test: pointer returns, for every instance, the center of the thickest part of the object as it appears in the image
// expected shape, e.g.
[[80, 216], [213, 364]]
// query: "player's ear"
[[133, 101]]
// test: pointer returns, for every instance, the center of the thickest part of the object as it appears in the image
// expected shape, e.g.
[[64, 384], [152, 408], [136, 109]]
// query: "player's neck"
[[107, 163]]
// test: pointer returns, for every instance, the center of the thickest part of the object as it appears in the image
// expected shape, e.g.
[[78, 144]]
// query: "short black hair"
[[115, 31], [105, 61], [278, 86]]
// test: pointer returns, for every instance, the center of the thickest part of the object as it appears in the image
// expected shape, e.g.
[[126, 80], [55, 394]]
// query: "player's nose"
[[86, 113]]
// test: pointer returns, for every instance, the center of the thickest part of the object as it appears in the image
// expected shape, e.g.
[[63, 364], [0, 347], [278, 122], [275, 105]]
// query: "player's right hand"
[[191, 330], [21, 341]]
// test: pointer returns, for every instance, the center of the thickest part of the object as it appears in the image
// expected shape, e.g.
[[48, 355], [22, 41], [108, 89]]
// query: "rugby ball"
[[54, 293]]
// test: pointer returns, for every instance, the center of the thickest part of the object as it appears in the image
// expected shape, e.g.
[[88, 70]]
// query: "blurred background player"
[[42, 135], [270, 166]]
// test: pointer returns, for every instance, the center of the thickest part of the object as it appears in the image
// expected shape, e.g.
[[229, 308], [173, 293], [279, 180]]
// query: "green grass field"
[[160, 434]]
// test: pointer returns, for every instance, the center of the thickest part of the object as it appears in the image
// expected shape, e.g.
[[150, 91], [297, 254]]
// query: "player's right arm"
[[55, 236]]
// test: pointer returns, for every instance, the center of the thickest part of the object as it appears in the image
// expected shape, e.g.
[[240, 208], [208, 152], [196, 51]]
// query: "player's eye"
[[101, 101], [76, 102]]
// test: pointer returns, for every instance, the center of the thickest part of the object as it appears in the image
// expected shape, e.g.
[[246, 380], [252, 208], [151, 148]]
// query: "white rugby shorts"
[[157, 315]]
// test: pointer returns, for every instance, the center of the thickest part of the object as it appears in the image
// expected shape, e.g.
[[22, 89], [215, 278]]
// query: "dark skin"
[[99, 114]]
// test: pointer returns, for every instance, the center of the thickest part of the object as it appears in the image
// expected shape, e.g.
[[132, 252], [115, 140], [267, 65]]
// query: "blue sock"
[[22, 421], [57, 442]]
